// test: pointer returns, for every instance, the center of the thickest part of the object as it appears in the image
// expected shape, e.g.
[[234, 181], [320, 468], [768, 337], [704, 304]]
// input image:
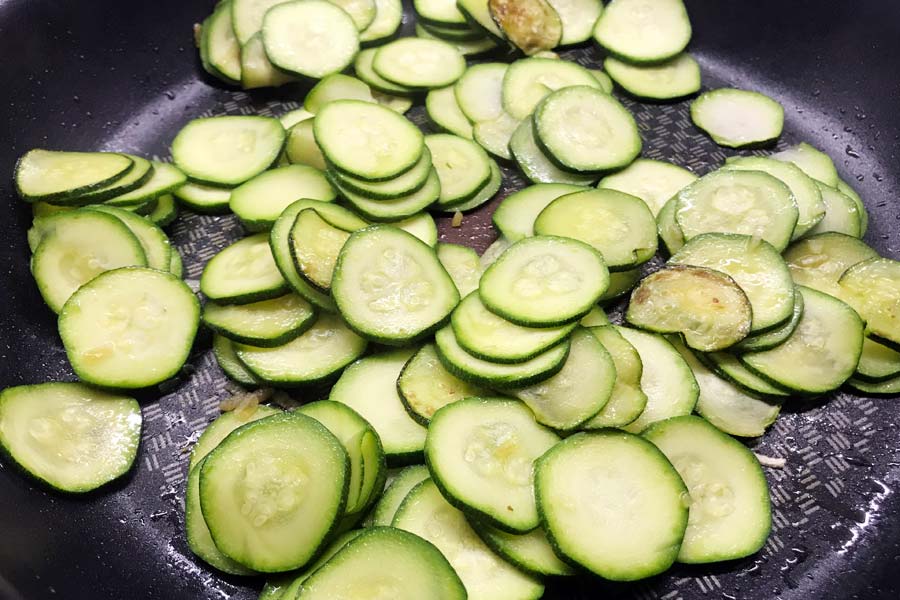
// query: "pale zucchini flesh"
[[243, 272], [643, 30], [738, 118], [425, 385], [652, 181], [627, 400]]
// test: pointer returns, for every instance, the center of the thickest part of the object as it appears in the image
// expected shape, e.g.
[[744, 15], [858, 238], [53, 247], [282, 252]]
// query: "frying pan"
[[112, 75]]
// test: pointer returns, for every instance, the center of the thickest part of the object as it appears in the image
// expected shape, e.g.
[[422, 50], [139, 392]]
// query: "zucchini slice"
[[478, 91], [728, 366], [617, 225], [223, 52], [301, 147], [265, 323], [399, 187], [80, 245], [730, 201], [877, 362], [773, 337], [205, 199], [496, 135], [822, 352], [621, 489], [653, 181], [492, 338], [227, 150], [485, 575], [754, 265], [390, 286], [315, 245], [247, 17], [369, 386], [530, 25], [139, 174], [388, 16], [129, 328], [666, 379], [585, 129], [627, 401], [260, 201], [224, 424], [398, 564], [730, 514], [462, 166], [273, 491], [726, 405], [154, 241], [480, 453], [643, 31], [807, 195], [675, 78], [68, 435], [873, 289], [48, 175], [243, 272], [669, 231], [317, 354], [544, 281], [399, 207], [415, 62], [707, 307], [362, 12], [258, 71], [311, 38], [578, 18], [819, 261], [425, 385], [367, 140], [738, 118], [579, 391]]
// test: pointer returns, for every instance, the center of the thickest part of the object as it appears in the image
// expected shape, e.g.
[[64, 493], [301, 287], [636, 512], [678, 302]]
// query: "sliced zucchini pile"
[[536, 438]]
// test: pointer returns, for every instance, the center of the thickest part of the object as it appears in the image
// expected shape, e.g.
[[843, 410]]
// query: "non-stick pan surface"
[[110, 75]]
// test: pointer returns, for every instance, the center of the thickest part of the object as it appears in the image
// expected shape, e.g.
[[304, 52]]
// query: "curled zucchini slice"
[[706, 306]]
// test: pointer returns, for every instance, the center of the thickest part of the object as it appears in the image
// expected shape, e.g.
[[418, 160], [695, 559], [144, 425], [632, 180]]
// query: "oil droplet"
[[851, 152]]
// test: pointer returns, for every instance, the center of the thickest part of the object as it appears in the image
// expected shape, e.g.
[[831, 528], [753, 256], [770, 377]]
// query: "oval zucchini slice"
[[738, 118], [480, 452], [746, 202], [819, 261], [707, 307], [674, 78], [627, 400], [315, 245], [754, 265], [415, 62], [426, 386], [535, 164], [544, 281], [516, 213], [527, 81], [530, 25], [873, 289], [129, 328], [243, 272], [390, 286], [273, 491], [730, 514], [617, 225], [47, 175], [877, 362], [261, 200], [583, 484], [265, 323], [644, 30], [68, 435], [653, 181], [822, 352], [530, 552]]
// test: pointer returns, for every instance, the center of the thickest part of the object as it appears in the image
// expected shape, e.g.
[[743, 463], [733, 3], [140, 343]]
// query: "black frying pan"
[[124, 76]]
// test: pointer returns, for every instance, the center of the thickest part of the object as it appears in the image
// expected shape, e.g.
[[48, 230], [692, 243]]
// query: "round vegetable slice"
[[367, 140], [480, 452], [585, 129], [644, 30], [544, 281], [129, 328], [68, 435], [653, 181], [707, 307], [873, 289], [747, 202], [530, 25], [390, 286], [227, 150], [617, 225], [310, 37], [738, 118], [730, 514], [674, 78], [425, 385], [419, 63], [526, 82], [273, 490], [621, 490], [243, 272]]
